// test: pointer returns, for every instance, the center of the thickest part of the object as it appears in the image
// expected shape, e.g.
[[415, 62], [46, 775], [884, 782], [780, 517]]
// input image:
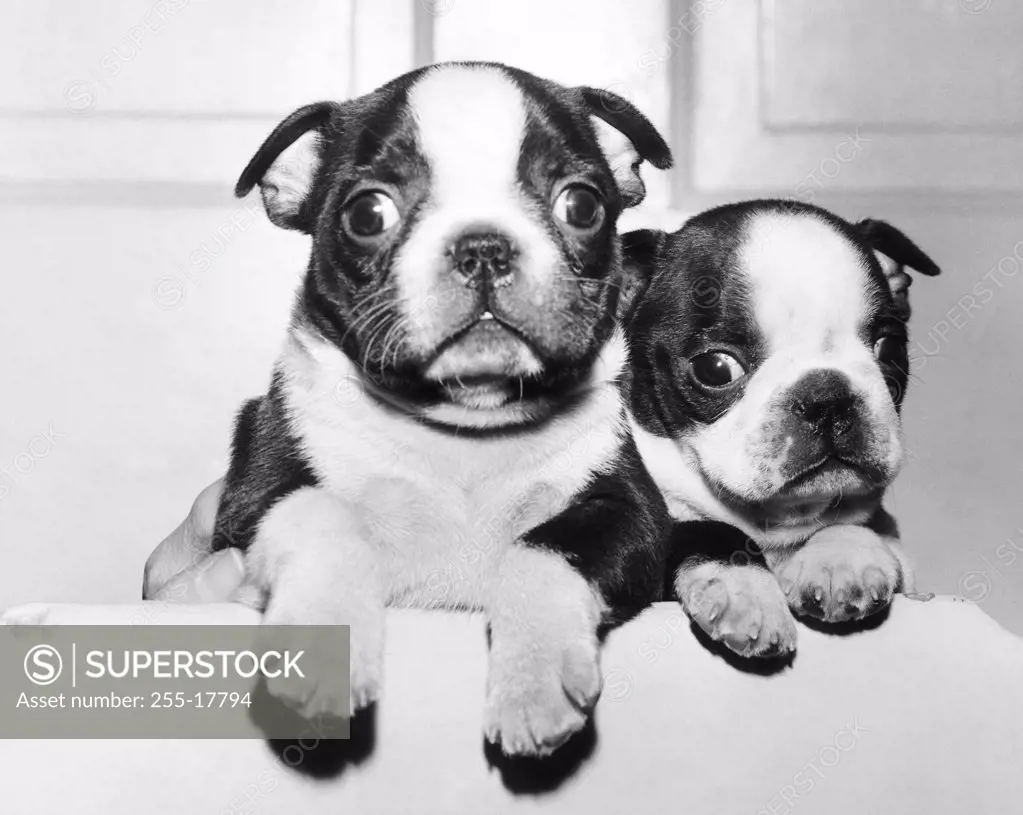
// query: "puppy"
[[445, 424], [770, 364]]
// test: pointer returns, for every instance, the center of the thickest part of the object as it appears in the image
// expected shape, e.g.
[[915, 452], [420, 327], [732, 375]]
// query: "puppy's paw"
[[320, 689], [740, 606], [367, 666], [539, 696], [842, 573]]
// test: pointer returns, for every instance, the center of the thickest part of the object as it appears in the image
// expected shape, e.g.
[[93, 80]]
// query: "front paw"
[[740, 606], [842, 573], [321, 689], [538, 697]]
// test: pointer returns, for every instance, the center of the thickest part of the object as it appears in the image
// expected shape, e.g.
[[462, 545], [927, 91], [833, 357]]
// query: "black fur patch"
[[266, 465], [615, 534]]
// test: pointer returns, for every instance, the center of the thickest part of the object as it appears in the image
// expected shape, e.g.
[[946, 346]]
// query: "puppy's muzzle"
[[823, 402], [826, 423], [484, 259]]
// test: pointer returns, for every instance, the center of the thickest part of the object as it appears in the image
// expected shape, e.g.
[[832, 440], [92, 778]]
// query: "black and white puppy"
[[770, 364], [445, 426]]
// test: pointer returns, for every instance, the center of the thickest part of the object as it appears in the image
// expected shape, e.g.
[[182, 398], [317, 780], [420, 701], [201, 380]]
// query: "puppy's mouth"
[[830, 477], [829, 486], [828, 489], [487, 355]]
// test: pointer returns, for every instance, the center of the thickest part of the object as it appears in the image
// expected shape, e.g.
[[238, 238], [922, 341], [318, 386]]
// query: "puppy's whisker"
[[400, 344], [394, 333], [361, 321], [367, 353], [374, 327], [370, 321], [384, 295]]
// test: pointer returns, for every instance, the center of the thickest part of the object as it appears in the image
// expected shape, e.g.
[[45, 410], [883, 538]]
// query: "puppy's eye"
[[890, 351], [370, 214], [579, 207], [716, 369]]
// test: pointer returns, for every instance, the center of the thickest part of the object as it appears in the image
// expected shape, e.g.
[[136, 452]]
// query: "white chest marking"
[[439, 507]]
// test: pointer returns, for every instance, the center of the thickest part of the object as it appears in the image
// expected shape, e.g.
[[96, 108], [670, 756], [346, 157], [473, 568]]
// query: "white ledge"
[[923, 713]]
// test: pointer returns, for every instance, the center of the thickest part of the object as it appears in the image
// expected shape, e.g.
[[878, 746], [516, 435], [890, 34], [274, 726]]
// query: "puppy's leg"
[[725, 587], [544, 607], [841, 573], [602, 556], [319, 570], [544, 672]]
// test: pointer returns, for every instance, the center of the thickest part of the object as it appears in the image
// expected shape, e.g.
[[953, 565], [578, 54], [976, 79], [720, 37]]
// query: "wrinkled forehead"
[[811, 287]]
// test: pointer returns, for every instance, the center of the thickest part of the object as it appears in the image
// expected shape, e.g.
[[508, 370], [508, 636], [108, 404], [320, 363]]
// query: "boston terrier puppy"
[[445, 425], [770, 364]]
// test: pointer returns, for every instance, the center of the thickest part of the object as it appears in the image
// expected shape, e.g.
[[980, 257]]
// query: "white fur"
[[741, 606], [438, 509], [309, 553], [807, 280], [544, 670], [470, 123], [839, 559], [675, 469]]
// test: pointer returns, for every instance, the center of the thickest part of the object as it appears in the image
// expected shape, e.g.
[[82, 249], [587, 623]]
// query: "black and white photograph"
[[478, 406]]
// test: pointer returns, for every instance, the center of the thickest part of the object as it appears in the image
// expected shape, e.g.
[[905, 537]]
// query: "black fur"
[[699, 541], [266, 465], [616, 534], [884, 237]]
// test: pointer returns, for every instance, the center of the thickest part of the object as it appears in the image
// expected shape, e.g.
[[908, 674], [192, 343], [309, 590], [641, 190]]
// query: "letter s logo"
[[43, 665]]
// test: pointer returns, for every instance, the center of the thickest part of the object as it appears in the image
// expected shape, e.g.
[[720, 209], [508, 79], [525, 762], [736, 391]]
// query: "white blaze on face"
[[470, 124], [809, 284], [809, 296]]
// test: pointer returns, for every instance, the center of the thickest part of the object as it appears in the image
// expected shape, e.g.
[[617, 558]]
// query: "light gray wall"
[[121, 134]]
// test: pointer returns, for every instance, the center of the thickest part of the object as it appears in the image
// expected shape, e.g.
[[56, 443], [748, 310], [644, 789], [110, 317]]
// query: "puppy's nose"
[[825, 400], [480, 256]]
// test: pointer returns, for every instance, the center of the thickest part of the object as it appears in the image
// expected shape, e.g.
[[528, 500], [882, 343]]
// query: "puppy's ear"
[[286, 166], [627, 139], [896, 253], [640, 250]]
